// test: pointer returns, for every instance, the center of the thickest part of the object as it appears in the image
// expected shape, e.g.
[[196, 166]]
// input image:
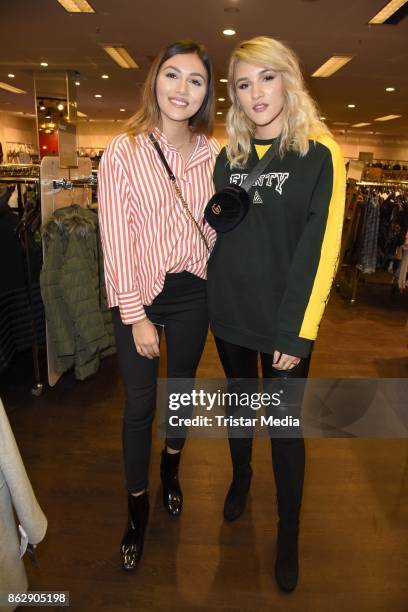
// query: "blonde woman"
[[155, 257], [270, 277]]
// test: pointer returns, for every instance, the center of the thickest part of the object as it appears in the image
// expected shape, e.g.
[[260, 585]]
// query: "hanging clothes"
[[79, 321], [367, 260], [17, 314]]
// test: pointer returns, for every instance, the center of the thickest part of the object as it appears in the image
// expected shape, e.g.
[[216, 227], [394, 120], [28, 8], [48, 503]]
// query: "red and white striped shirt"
[[144, 229]]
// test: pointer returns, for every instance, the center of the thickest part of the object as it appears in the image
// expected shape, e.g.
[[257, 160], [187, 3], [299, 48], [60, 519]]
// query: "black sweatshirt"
[[269, 279]]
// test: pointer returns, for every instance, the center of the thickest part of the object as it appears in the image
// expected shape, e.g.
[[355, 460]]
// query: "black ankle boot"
[[132, 542], [287, 564], [235, 500], [172, 493]]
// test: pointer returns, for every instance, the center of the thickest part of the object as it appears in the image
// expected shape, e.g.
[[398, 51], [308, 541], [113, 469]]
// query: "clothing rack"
[[19, 181], [90, 181], [354, 195]]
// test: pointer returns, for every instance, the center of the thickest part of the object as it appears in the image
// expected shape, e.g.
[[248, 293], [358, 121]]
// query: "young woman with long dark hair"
[[270, 277], [155, 255]]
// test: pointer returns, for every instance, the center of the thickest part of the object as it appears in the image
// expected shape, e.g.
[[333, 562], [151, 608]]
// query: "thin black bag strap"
[[259, 168], [177, 188]]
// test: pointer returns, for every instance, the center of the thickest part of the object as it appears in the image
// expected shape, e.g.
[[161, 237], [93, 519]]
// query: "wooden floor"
[[354, 540]]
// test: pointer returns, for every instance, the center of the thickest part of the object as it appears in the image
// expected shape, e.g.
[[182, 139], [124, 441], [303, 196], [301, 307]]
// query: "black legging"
[[288, 454], [182, 308]]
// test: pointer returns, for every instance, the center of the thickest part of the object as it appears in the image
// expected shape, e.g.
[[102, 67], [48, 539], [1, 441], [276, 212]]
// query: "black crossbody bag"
[[229, 206], [177, 188]]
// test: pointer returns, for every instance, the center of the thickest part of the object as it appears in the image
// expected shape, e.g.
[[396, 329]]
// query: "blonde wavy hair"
[[300, 114]]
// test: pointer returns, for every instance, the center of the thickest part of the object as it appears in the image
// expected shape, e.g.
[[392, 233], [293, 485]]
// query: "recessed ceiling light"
[[77, 83], [351, 106], [42, 107], [98, 95], [360, 124], [219, 113], [44, 64], [229, 32], [388, 117], [105, 76], [386, 89], [60, 107], [11, 76], [76, 6], [221, 99], [332, 65], [11, 88], [223, 80], [121, 56], [389, 9], [322, 118], [122, 110], [48, 116]]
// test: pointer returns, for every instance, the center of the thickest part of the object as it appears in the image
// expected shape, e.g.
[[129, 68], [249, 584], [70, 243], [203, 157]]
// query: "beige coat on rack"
[[15, 493]]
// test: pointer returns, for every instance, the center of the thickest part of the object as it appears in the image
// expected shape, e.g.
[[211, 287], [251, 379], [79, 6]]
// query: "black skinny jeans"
[[182, 308], [288, 454]]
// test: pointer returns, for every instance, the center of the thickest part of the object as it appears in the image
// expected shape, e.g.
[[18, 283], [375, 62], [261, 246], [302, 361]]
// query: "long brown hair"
[[148, 116]]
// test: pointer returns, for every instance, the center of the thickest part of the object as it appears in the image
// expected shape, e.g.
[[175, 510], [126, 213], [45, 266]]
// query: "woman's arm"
[[315, 260], [117, 238]]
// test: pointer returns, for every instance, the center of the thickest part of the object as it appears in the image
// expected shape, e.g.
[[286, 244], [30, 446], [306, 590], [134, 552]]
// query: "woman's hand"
[[146, 339], [281, 361]]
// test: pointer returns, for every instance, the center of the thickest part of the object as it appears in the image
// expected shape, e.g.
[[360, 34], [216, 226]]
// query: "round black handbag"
[[229, 206]]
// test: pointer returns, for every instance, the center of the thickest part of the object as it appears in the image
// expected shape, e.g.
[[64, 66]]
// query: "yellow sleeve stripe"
[[330, 250]]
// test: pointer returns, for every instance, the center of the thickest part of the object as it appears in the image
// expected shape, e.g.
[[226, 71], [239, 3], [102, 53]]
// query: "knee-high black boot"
[[172, 493], [132, 542], [235, 501], [288, 456]]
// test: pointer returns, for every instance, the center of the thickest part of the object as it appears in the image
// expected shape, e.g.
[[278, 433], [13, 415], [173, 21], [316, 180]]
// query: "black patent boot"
[[235, 500], [132, 542], [287, 563], [172, 493]]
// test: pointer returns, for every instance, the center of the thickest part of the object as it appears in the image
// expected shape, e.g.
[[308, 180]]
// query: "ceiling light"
[[121, 56], [322, 118], [48, 116], [76, 6], [221, 99], [388, 117], [8, 87], [79, 114], [122, 110], [386, 89], [44, 64], [332, 65], [105, 76], [229, 32], [389, 9], [219, 113], [11, 76], [60, 107], [223, 80], [360, 124], [42, 107], [77, 83], [98, 95], [351, 106]]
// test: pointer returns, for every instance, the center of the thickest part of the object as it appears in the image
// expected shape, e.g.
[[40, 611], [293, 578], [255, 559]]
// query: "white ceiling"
[[41, 30]]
